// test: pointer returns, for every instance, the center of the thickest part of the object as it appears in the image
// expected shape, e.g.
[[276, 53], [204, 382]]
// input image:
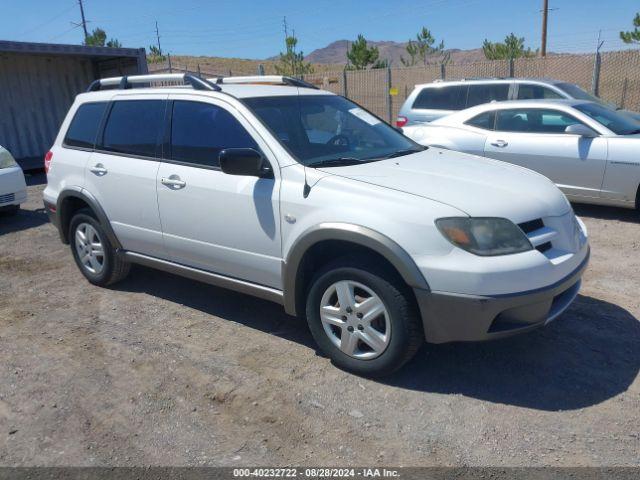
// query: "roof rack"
[[263, 80], [127, 82]]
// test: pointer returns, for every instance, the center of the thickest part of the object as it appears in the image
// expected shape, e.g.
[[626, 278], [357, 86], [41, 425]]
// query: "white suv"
[[272, 187]]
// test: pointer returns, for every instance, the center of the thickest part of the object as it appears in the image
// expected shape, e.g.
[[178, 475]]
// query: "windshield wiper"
[[633, 132], [336, 162], [408, 151]]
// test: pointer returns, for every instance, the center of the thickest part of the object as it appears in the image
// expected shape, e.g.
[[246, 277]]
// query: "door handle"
[[499, 143], [173, 181], [99, 169]]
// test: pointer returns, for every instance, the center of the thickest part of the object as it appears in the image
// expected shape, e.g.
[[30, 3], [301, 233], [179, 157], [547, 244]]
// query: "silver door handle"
[[499, 143], [173, 182], [99, 169]]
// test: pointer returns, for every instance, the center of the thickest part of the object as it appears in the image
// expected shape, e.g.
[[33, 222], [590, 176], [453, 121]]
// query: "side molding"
[[211, 278], [357, 234], [89, 199]]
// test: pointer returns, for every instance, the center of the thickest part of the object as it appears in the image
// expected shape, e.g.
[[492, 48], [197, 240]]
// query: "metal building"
[[38, 82]]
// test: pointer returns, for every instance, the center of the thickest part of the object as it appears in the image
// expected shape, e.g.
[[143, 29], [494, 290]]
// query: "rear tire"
[[94, 255], [355, 337]]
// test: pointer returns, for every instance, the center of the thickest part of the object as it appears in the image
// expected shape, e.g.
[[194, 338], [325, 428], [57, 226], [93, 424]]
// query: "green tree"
[[425, 43], [422, 48], [361, 56], [98, 38], [292, 62], [155, 55], [632, 36], [412, 50], [512, 47]]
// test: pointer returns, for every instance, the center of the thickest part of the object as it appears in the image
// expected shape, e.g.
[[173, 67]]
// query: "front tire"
[[363, 317], [94, 255]]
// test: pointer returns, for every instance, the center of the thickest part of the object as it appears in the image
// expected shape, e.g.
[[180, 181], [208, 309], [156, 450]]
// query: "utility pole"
[[545, 15], [157, 37], [595, 80], [293, 58], [84, 21]]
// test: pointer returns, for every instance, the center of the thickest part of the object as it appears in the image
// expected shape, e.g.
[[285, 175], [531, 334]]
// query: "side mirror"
[[245, 162], [580, 129]]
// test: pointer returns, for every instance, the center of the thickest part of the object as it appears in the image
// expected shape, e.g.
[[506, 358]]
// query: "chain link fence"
[[613, 76]]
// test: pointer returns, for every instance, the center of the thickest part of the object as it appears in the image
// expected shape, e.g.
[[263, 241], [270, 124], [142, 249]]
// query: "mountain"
[[336, 53]]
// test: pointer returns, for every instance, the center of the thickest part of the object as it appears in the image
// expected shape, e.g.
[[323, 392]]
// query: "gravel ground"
[[161, 370]]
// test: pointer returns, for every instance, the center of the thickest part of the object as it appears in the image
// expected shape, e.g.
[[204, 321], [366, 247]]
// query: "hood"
[[478, 186]]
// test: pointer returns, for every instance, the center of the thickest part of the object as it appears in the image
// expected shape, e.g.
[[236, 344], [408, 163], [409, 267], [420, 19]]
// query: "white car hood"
[[478, 186]]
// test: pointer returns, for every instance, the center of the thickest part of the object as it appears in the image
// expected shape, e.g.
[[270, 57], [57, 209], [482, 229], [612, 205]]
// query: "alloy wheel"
[[355, 319], [89, 248]]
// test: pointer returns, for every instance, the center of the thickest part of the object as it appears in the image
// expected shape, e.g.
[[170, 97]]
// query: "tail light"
[[401, 121], [47, 161]]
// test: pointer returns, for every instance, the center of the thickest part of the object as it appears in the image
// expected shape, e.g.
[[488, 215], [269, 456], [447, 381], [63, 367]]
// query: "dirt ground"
[[160, 370]]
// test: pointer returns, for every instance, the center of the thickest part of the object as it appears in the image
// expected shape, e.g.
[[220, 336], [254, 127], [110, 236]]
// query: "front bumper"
[[13, 189], [449, 317]]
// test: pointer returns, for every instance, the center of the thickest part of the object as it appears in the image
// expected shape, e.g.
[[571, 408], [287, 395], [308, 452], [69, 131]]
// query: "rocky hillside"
[[336, 53]]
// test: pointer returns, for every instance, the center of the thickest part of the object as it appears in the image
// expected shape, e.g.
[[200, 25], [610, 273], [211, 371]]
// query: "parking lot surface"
[[160, 370]]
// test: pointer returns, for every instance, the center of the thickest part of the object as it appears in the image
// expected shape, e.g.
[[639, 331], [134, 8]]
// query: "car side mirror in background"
[[580, 129], [246, 162]]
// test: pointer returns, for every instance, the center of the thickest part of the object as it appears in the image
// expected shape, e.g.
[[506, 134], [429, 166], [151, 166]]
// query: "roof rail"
[[263, 80], [127, 82]]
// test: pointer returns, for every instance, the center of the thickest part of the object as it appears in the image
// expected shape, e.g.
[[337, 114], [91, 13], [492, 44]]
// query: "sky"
[[254, 29]]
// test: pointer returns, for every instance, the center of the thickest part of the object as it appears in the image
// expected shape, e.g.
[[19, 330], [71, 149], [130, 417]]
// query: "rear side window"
[[536, 92], [199, 131], [485, 120], [479, 94], [451, 97], [134, 127], [83, 129]]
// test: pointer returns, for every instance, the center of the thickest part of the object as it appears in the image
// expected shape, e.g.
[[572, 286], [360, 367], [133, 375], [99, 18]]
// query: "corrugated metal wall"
[[36, 92]]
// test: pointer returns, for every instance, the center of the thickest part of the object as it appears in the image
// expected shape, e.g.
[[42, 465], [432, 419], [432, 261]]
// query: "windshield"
[[576, 92], [614, 121], [328, 130]]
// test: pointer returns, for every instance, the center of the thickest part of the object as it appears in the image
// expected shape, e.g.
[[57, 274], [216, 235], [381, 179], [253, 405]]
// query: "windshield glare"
[[317, 128], [617, 123]]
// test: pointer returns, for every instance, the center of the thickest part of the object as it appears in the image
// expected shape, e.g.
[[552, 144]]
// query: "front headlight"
[[6, 160], [484, 236]]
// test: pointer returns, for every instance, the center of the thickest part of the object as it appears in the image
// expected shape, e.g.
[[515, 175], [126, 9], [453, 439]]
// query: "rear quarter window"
[[83, 129], [485, 120], [452, 97], [486, 93], [536, 92]]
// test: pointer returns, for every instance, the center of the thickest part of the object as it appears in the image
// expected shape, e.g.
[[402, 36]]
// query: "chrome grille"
[[554, 237], [9, 197], [540, 236]]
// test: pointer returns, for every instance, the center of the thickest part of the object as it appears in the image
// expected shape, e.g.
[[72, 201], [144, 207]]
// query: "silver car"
[[431, 101], [588, 150]]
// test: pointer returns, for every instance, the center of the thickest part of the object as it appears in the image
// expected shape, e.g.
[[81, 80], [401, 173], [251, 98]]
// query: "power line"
[[43, 24]]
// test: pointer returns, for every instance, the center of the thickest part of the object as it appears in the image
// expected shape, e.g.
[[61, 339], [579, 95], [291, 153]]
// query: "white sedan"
[[13, 189], [590, 152]]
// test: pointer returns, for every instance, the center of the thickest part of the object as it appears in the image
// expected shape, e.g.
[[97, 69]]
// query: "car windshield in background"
[[614, 121], [576, 92], [328, 130]]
